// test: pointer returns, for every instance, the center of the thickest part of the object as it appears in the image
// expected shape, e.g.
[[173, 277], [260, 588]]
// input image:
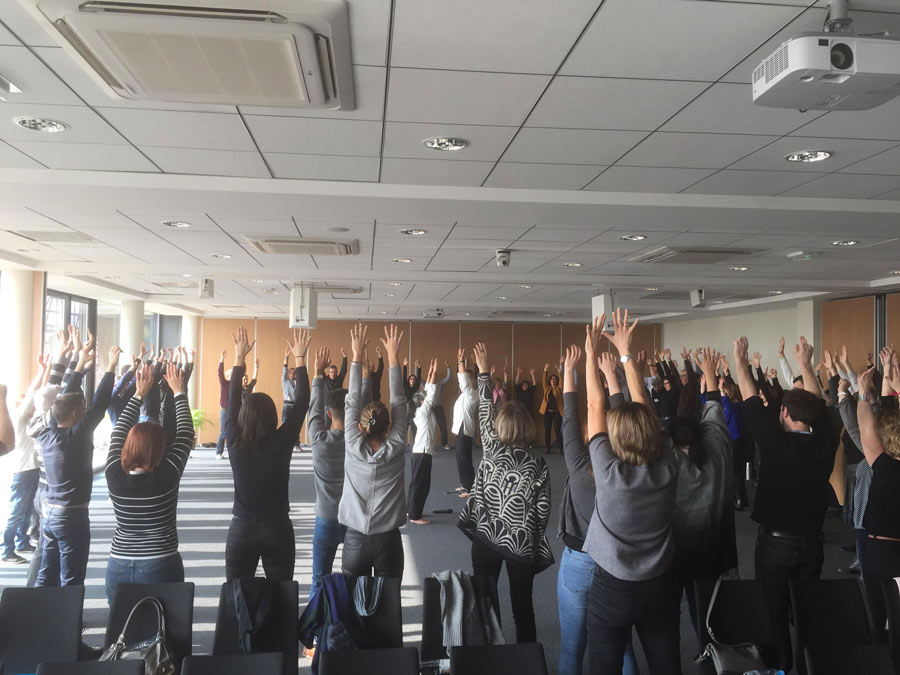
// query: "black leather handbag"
[[153, 651]]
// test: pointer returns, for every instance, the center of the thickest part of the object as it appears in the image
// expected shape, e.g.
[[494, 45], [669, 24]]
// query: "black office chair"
[[280, 636], [385, 626], [850, 660], [40, 624], [237, 664], [892, 605], [519, 659], [819, 634], [178, 602], [432, 625], [740, 615], [402, 661], [92, 668]]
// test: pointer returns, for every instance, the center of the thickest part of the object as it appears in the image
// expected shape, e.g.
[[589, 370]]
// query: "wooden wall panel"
[[893, 319], [535, 345], [216, 336], [271, 341], [497, 337], [849, 322], [441, 341]]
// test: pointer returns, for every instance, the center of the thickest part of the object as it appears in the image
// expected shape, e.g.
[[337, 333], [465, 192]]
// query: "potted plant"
[[200, 420]]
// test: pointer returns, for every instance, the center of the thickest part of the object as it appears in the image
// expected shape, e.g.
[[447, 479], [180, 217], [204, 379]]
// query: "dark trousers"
[[379, 554], [286, 408], [419, 483], [651, 606], [778, 561], [168, 569], [487, 562], [880, 563], [66, 535], [738, 465], [220, 443], [250, 539], [464, 466], [552, 419], [441, 420]]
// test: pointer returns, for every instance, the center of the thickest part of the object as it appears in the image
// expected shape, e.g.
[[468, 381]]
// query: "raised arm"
[[485, 401], [621, 339], [742, 369], [294, 420], [102, 396], [868, 433], [803, 355], [784, 365], [317, 422], [177, 454], [399, 404], [242, 347], [596, 399]]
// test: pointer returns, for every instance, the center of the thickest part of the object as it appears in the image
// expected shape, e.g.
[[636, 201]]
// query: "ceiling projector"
[[829, 71]]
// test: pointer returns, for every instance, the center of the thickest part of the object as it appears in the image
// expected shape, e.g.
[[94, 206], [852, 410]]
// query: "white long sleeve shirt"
[[425, 423], [465, 410]]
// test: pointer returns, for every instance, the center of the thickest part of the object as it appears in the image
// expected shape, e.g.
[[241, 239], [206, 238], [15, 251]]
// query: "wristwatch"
[[625, 358]]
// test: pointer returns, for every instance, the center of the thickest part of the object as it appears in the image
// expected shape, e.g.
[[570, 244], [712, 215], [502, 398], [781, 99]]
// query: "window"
[[107, 333], [151, 330], [62, 310]]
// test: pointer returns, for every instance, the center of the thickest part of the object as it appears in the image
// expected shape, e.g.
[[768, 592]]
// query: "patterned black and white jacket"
[[509, 507]]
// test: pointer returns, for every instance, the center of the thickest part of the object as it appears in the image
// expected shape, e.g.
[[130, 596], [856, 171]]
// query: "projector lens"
[[841, 56]]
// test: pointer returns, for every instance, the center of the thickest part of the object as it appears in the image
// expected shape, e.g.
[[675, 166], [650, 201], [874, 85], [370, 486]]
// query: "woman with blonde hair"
[[630, 536], [507, 512]]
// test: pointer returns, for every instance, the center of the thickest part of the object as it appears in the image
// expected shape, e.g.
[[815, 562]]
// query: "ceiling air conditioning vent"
[[175, 284], [56, 237], [691, 256], [278, 53], [304, 246]]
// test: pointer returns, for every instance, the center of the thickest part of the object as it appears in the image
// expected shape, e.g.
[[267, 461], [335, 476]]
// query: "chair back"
[[282, 635], [517, 659], [236, 664], [178, 603], [843, 659], [40, 624], [92, 668], [432, 623], [385, 626], [395, 661]]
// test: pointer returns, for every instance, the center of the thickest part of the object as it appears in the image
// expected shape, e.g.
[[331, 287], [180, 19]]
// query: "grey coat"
[[327, 452]]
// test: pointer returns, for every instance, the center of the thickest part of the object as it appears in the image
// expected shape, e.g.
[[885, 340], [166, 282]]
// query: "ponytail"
[[374, 421]]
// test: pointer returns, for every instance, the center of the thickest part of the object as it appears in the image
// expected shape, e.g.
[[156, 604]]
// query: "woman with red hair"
[[143, 476]]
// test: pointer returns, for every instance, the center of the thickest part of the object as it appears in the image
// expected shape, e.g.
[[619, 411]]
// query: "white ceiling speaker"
[[278, 53]]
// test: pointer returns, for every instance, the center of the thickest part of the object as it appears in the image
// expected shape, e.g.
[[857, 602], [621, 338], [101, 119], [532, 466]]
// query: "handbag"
[[153, 652], [729, 659]]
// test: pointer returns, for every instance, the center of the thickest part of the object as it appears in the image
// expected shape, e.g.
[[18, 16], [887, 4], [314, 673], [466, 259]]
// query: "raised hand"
[[843, 359], [322, 355], [358, 342], [685, 354], [405, 361], [343, 353], [592, 336], [378, 351], [300, 344], [113, 362], [175, 378], [460, 355], [432, 372], [803, 352], [741, 345], [827, 360], [480, 351], [866, 384], [756, 359], [242, 345], [571, 357], [75, 339], [708, 366], [773, 374], [531, 372], [493, 370], [642, 357], [668, 352], [623, 333], [608, 365], [144, 380], [391, 343], [781, 346]]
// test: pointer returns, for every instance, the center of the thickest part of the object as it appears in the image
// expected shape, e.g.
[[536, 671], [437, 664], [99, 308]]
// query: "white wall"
[[762, 329]]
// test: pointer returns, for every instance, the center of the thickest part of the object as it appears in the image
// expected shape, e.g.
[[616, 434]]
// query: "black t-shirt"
[[794, 470], [882, 516], [525, 396], [552, 406]]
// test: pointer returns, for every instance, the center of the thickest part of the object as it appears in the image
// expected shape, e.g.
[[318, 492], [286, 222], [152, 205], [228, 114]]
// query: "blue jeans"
[[326, 537], [66, 535], [167, 569], [576, 571], [21, 505], [220, 444]]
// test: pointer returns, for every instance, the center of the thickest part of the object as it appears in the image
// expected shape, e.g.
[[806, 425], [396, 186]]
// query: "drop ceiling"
[[586, 120]]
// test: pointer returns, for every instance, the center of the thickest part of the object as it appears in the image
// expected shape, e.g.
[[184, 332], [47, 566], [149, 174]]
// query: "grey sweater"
[[630, 535], [374, 499], [578, 498], [327, 453]]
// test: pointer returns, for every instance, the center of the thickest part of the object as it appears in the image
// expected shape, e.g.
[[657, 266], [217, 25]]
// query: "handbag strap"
[[709, 611], [160, 617]]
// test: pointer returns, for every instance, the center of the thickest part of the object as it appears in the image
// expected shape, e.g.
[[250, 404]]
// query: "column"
[[809, 323], [131, 326], [190, 338], [18, 306]]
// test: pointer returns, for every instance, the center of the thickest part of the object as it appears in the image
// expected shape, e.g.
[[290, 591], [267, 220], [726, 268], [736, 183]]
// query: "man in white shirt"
[[423, 449], [465, 422]]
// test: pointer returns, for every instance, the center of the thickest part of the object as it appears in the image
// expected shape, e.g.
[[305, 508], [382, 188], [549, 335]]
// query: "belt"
[[880, 538], [783, 535]]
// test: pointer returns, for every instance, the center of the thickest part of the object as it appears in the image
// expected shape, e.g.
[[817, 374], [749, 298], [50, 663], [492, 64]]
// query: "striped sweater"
[[145, 504]]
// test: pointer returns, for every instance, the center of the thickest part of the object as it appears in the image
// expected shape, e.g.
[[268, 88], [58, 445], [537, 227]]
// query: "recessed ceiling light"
[[27, 250], [180, 224], [896, 272], [502, 297], [389, 295], [807, 156], [525, 286], [467, 314], [572, 264], [257, 281], [561, 313], [548, 315], [844, 242], [111, 278], [270, 291], [48, 126], [337, 229], [402, 260], [739, 268], [445, 143], [221, 256], [187, 275], [651, 288], [394, 283], [384, 312], [633, 237], [415, 232], [775, 292]]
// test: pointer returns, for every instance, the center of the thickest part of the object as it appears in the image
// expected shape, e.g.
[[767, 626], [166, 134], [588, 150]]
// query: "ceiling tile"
[[154, 222], [404, 140], [173, 129], [763, 183], [85, 126], [7, 38], [209, 162], [729, 109], [488, 232], [685, 40], [847, 186], [38, 83], [611, 103], [323, 167], [283, 227], [433, 172], [846, 151], [10, 158], [571, 146], [316, 136], [692, 150], [646, 179], [19, 21], [462, 97], [81, 221], [885, 163], [558, 234], [499, 36], [87, 156], [542, 176], [369, 27], [369, 84]]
